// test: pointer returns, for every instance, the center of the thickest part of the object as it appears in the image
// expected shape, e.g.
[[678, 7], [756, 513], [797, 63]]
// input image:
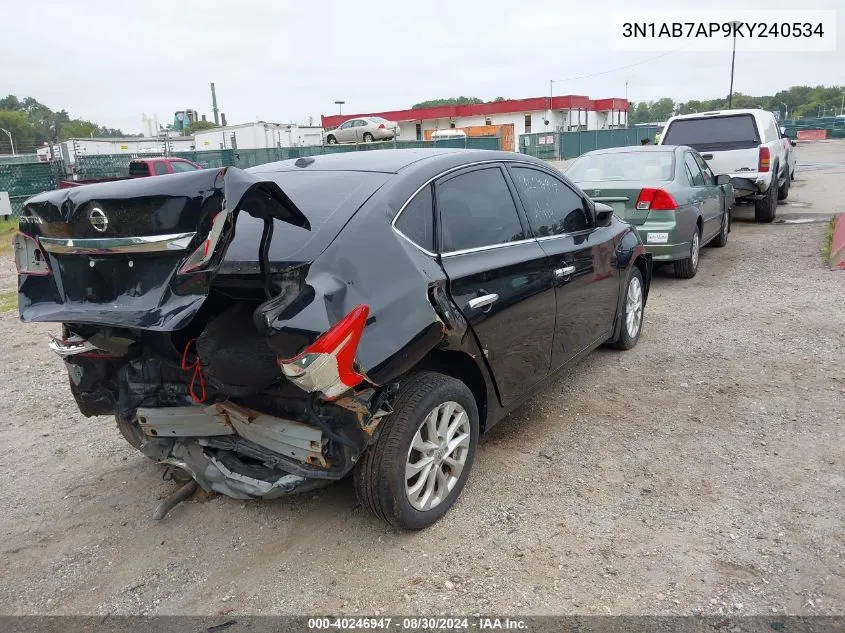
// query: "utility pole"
[[214, 104], [842, 104], [11, 142], [733, 60]]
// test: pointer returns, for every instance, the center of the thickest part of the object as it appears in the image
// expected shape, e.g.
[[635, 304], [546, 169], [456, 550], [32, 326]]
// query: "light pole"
[[733, 60], [11, 142], [340, 106], [785, 111]]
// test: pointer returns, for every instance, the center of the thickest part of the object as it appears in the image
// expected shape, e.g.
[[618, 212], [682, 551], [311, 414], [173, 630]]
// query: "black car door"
[[499, 277], [582, 258]]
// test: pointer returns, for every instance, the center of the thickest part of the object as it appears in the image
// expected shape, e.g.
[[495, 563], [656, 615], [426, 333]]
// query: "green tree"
[[198, 126], [450, 101]]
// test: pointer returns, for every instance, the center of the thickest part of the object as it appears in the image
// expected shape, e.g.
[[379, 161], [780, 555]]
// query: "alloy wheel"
[[634, 307], [694, 250], [437, 455]]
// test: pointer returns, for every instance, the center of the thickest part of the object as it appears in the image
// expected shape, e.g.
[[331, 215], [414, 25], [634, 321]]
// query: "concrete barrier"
[[837, 245], [812, 135]]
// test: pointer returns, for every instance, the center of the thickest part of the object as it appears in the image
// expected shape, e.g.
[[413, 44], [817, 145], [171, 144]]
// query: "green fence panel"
[[24, 180], [19, 159]]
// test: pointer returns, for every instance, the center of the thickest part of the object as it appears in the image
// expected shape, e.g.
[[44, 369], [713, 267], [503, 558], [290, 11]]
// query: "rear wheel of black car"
[[633, 307], [130, 431], [417, 468], [686, 268], [764, 209]]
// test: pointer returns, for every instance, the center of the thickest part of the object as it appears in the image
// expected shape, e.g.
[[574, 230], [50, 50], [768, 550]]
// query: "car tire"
[[130, 431], [367, 138], [783, 190], [688, 267], [722, 238], [633, 303], [380, 478], [331, 140], [765, 208]]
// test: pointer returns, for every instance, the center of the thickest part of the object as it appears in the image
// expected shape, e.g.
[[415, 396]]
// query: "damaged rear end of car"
[[223, 325]]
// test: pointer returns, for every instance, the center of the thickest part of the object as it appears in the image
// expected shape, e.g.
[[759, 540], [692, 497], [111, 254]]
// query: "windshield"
[[649, 166], [714, 133]]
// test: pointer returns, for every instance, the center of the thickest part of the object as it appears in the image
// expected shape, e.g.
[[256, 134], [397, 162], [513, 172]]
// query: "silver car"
[[363, 130]]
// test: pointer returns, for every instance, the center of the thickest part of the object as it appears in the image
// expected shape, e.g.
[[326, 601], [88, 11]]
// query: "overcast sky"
[[283, 60]]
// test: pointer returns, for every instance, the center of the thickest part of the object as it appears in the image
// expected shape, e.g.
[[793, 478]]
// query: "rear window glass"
[[714, 133], [138, 169], [647, 166]]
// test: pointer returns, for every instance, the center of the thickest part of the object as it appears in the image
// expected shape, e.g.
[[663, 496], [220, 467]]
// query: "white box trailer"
[[68, 150]]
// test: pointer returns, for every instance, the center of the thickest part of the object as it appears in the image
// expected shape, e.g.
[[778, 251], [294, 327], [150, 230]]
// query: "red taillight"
[[763, 165], [655, 200], [381, 126], [29, 256], [200, 258], [328, 364]]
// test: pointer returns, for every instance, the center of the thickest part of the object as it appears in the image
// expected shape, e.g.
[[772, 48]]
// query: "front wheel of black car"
[[417, 468], [633, 307]]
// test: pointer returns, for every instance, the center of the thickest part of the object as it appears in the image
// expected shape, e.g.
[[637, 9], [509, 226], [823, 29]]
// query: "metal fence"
[[23, 180], [27, 179], [567, 145]]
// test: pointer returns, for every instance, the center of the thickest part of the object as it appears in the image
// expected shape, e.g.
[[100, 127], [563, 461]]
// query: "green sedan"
[[667, 192]]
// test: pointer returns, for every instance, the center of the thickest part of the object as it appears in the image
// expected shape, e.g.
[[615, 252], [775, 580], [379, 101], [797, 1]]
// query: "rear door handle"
[[707, 156], [482, 302], [564, 272]]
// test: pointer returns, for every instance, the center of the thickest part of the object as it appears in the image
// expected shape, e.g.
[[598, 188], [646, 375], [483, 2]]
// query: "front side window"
[[347, 125], [705, 168], [476, 209], [552, 207], [416, 222]]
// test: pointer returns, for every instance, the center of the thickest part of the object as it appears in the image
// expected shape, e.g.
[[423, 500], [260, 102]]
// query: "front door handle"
[[564, 272], [483, 302]]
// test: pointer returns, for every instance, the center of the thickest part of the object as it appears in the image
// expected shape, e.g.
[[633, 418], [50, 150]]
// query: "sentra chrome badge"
[[30, 219], [98, 219]]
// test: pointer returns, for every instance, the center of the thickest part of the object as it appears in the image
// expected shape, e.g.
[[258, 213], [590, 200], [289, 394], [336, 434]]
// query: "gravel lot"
[[701, 472]]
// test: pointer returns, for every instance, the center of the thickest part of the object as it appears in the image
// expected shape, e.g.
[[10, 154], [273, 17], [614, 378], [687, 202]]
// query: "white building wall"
[[259, 136]]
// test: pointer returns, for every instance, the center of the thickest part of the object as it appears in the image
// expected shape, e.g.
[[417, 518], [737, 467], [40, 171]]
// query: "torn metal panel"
[[183, 421]]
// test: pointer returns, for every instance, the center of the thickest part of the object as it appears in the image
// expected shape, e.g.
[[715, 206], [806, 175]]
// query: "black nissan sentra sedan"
[[269, 331]]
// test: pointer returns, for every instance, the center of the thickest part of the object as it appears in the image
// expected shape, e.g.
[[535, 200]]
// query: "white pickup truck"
[[747, 145]]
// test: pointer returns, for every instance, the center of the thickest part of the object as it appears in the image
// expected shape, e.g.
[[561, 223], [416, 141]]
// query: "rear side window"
[[416, 222], [552, 207], [693, 170], [714, 133], [477, 209], [138, 169], [160, 168]]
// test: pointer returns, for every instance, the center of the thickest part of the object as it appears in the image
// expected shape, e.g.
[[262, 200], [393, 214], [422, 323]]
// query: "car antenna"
[[304, 161]]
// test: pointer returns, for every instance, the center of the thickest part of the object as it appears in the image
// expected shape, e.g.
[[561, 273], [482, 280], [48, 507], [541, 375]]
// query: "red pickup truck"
[[141, 168]]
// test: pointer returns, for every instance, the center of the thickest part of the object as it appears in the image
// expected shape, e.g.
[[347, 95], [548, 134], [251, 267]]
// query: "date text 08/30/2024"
[[416, 623]]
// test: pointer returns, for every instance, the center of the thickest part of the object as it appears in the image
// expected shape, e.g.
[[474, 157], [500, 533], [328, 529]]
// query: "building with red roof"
[[535, 114]]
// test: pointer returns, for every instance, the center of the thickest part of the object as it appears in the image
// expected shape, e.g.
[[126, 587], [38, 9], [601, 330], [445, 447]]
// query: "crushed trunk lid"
[[138, 253]]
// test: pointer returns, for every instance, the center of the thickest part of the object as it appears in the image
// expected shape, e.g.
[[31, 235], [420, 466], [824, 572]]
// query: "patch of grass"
[[828, 240], [8, 301], [7, 229]]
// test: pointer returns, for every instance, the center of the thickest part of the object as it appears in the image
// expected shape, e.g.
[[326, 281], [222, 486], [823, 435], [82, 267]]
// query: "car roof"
[[635, 148], [715, 113], [390, 161]]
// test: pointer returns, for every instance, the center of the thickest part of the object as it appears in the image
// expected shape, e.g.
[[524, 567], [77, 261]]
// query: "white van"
[[747, 145]]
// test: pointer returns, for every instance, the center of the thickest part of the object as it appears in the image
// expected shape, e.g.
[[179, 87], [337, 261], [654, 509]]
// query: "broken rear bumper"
[[211, 472]]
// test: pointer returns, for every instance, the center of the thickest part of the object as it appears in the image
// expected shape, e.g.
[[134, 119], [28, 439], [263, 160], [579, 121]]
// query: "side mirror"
[[793, 143], [723, 179], [604, 214]]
